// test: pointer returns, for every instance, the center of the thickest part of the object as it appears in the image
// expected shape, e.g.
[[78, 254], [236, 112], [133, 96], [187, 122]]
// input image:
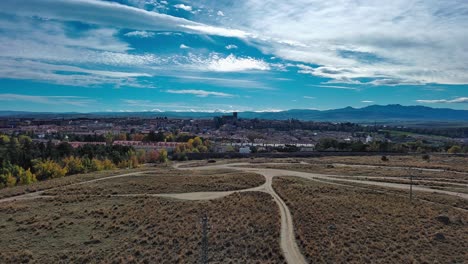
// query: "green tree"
[[162, 156], [27, 177], [454, 149], [48, 169], [197, 142], [4, 139], [10, 180], [73, 165]]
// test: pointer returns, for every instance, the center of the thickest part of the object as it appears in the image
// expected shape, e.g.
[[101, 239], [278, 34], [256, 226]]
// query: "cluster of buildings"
[[226, 132]]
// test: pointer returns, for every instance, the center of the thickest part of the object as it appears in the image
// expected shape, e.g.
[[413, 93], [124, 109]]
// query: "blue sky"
[[214, 55]]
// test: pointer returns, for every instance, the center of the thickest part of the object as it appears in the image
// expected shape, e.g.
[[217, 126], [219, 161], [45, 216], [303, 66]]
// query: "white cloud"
[[123, 16], [142, 105], [308, 97], [200, 93], [220, 31], [220, 13], [183, 46], [367, 101], [232, 63], [140, 34], [334, 87], [50, 100], [231, 46], [184, 7], [458, 100], [224, 82], [404, 42], [74, 76]]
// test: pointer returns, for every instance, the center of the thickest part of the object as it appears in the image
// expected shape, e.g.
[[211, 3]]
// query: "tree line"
[[25, 161]]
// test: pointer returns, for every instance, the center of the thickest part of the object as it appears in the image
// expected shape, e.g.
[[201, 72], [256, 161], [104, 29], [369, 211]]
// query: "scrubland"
[[339, 224], [244, 228], [166, 181]]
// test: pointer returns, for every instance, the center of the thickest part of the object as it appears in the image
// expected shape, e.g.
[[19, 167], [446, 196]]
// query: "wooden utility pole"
[[204, 244], [411, 187]]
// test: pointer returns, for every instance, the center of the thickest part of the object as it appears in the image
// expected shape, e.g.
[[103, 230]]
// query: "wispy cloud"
[[364, 39], [334, 87], [49, 100], [232, 63], [65, 74], [140, 34], [459, 100], [149, 105], [367, 101], [183, 7], [308, 97], [231, 46], [123, 16], [200, 93], [224, 82]]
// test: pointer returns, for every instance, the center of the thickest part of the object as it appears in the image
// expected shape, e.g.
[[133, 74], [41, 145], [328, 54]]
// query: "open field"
[[65, 181], [244, 228], [260, 211], [444, 162], [166, 181], [336, 224]]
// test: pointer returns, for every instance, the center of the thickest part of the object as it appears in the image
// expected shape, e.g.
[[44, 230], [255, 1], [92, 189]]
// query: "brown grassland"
[[64, 181], [166, 181], [244, 228], [445, 162], [339, 224], [114, 219]]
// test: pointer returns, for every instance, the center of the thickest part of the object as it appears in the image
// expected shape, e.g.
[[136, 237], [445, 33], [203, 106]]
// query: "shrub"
[[384, 158], [26, 177], [97, 165], [454, 149], [107, 164], [74, 165], [426, 157], [48, 169], [162, 156], [10, 180]]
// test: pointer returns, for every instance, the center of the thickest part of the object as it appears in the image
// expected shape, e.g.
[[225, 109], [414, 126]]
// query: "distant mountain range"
[[377, 113]]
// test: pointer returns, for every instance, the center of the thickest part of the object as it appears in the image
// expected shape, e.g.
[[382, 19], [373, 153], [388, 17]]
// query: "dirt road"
[[288, 242], [38, 194]]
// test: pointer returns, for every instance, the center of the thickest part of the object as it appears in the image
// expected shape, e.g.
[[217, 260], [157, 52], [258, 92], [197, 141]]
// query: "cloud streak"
[[116, 15], [459, 100], [201, 93], [399, 42], [48, 100]]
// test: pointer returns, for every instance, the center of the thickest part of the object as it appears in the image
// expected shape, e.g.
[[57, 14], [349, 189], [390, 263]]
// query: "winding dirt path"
[[38, 194], [288, 242], [316, 176]]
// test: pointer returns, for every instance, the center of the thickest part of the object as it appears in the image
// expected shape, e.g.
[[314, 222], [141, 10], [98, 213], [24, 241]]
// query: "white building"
[[244, 150]]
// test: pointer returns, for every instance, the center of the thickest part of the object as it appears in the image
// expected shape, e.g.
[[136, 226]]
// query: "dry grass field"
[[337, 224], [87, 223], [375, 170], [166, 181], [54, 183], [116, 217], [244, 228], [444, 162]]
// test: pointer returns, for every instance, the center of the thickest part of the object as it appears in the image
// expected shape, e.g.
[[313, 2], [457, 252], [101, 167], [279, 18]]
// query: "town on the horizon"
[[231, 134]]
